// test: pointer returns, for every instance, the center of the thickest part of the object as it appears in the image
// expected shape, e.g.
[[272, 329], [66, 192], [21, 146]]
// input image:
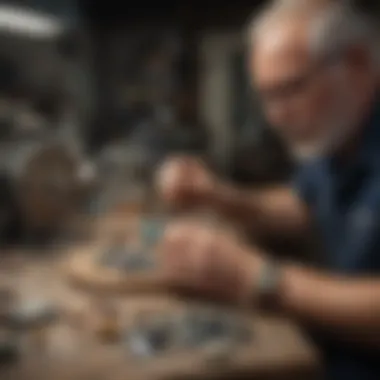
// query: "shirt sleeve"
[[360, 251]]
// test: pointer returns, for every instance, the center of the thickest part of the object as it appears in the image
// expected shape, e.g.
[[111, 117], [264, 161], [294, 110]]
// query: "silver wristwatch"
[[268, 284]]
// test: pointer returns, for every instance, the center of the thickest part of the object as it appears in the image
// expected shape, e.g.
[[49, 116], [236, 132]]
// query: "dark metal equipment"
[[47, 182], [45, 174]]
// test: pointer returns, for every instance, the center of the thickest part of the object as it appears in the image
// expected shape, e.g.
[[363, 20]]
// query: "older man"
[[316, 68]]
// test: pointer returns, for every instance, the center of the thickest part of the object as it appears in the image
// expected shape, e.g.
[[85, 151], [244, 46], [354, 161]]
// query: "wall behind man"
[[191, 21]]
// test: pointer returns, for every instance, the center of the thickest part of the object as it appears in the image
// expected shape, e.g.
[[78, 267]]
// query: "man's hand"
[[214, 263], [209, 261], [185, 181]]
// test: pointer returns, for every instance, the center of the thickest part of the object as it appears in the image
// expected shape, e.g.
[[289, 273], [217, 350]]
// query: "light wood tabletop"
[[74, 346]]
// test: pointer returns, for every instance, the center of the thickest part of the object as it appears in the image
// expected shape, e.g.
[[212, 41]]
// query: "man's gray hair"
[[336, 25]]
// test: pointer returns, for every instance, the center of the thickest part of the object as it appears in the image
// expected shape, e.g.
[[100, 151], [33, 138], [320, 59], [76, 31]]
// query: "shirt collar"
[[367, 155], [370, 148]]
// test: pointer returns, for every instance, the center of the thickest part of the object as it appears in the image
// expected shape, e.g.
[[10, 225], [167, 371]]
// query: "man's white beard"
[[339, 134], [341, 127], [304, 153]]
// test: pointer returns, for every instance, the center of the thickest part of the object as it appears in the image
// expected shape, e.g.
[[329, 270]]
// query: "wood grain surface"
[[85, 270], [77, 346]]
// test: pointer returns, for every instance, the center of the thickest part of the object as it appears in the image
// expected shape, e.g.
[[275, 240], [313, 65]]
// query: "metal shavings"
[[152, 230], [32, 314], [127, 258], [215, 332], [152, 338], [204, 327]]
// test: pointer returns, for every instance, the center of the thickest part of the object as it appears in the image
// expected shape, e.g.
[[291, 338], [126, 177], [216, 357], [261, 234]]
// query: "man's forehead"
[[281, 50]]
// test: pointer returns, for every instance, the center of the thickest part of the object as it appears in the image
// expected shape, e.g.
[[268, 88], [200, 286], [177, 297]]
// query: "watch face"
[[269, 280]]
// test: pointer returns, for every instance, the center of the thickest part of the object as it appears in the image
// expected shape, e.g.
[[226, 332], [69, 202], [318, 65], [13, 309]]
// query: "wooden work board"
[[121, 257], [92, 337]]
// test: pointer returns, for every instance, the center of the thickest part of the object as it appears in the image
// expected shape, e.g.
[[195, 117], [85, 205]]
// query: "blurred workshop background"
[[94, 94]]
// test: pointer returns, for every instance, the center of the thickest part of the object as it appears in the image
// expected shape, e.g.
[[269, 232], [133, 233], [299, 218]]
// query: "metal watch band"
[[268, 284]]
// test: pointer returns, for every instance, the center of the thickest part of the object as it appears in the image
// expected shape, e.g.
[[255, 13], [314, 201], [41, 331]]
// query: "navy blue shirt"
[[344, 198]]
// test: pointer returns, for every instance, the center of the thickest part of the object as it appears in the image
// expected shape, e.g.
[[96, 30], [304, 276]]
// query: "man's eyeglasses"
[[298, 85]]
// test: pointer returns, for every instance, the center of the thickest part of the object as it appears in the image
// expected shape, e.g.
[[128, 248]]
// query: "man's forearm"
[[348, 307], [274, 211]]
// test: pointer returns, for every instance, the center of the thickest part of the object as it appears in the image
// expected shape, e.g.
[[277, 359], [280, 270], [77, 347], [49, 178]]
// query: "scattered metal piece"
[[217, 333], [151, 338], [226, 333], [32, 314], [202, 327], [127, 258], [152, 230]]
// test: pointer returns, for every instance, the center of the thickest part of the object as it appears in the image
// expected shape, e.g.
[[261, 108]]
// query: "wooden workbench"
[[70, 350]]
